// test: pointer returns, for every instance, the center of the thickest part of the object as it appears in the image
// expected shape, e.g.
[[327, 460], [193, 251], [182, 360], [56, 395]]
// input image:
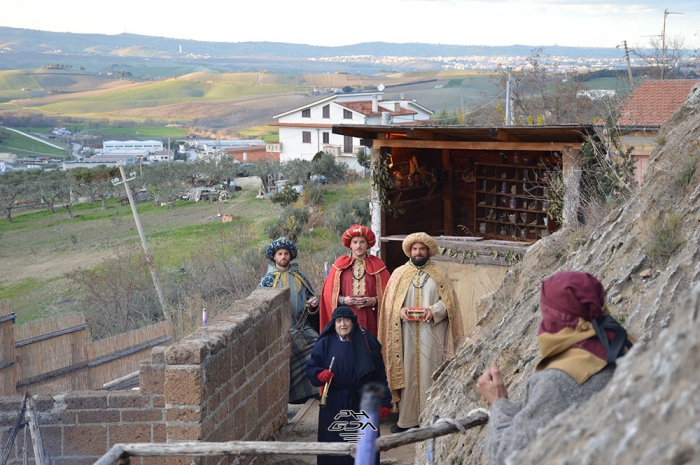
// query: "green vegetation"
[[666, 239], [154, 132], [24, 146], [688, 169], [153, 94], [197, 255]]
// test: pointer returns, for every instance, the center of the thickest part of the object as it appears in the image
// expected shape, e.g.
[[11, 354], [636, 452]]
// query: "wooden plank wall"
[[49, 352], [53, 355], [117, 356], [8, 375]]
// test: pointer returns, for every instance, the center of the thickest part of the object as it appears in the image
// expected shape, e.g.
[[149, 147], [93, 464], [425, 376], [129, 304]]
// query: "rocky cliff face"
[[649, 412]]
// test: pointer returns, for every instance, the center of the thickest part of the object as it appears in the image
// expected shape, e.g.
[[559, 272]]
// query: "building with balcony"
[[307, 130]]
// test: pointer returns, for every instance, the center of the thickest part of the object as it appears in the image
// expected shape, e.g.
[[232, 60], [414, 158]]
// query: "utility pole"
[[629, 65], [663, 42], [149, 257]]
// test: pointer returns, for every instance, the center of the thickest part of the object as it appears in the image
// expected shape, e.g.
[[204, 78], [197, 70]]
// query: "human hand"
[[324, 376], [428, 317], [384, 412], [404, 314], [490, 385], [313, 301], [365, 302]]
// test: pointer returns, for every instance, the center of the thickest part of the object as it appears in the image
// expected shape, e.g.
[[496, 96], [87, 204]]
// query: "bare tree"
[[542, 94], [663, 57]]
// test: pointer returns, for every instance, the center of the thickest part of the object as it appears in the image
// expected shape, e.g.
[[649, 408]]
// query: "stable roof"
[[470, 137]]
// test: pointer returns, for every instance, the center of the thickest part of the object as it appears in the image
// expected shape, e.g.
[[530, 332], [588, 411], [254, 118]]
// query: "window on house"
[[306, 113], [327, 111], [306, 137], [347, 144], [326, 138], [347, 114]]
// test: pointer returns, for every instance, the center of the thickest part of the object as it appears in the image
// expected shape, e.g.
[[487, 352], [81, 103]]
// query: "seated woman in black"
[[358, 361]]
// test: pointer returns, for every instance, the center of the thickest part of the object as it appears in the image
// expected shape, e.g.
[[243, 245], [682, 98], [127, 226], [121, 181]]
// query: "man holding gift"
[[420, 325]]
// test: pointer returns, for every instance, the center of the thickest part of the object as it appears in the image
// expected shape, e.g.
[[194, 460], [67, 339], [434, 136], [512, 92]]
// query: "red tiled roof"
[[653, 102], [366, 109], [250, 148]]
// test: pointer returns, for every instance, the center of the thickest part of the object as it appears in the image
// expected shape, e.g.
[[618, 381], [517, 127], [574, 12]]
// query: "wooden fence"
[[8, 377], [53, 354]]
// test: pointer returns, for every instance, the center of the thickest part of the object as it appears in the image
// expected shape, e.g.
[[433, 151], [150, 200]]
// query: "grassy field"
[[156, 132], [39, 248], [24, 146]]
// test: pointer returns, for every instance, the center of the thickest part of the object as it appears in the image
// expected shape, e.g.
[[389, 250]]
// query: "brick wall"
[[226, 381], [78, 427]]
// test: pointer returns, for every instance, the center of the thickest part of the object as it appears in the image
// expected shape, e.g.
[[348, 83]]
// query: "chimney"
[[397, 106], [375, 103]]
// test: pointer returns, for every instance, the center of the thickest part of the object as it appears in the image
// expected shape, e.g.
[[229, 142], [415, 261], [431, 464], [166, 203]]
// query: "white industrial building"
[[152, 146]]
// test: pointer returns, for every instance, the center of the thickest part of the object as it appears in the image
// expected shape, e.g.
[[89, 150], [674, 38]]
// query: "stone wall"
[[225, 381]]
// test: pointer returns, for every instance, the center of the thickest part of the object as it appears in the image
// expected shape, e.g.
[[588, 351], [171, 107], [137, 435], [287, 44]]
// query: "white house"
[[307, 130]]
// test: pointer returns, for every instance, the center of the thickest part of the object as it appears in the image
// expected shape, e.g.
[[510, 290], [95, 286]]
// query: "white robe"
[[423, 350]]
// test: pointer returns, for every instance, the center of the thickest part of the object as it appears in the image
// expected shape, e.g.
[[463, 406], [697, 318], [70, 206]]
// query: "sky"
[[579, 23]]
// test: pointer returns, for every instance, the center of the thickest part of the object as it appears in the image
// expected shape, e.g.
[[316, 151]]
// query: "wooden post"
[[147, 252], [37, 443], [571, 174], [374, 207], [448, 223]]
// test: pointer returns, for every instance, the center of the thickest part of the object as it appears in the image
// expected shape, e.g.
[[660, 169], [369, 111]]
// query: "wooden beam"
[[212, 449], [356, 132], [462, 145], [503, 136], [424, 135]]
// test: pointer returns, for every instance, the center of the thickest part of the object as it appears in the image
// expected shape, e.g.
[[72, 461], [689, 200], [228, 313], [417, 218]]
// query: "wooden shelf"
[[509, 199]]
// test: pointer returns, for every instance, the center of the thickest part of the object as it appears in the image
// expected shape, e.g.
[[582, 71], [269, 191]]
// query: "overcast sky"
[[595, 23]]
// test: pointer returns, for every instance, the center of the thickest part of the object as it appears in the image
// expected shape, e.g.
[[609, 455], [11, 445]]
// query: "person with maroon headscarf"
[[579, 342], [356, 280]]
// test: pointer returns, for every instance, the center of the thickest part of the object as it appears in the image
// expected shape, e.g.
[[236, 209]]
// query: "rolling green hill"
[[24, 146]]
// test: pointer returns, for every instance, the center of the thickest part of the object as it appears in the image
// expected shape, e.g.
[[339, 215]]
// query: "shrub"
[[119, 295], [327, 165], [347, 213], [313, 195], [296, 171], [688, 169], [667, 239], [291, 223], [286, 196]]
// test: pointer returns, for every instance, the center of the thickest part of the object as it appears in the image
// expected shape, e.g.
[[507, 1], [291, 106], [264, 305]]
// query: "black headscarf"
[[361, 354]]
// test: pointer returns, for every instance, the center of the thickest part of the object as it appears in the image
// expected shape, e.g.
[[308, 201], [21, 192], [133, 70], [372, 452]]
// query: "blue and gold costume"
[[304, 325]]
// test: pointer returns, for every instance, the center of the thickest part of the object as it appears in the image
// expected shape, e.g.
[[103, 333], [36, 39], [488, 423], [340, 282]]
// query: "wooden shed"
[[480, 191]]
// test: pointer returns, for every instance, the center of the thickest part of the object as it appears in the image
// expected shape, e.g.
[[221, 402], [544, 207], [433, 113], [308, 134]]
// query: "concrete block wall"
[[226, 381]]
